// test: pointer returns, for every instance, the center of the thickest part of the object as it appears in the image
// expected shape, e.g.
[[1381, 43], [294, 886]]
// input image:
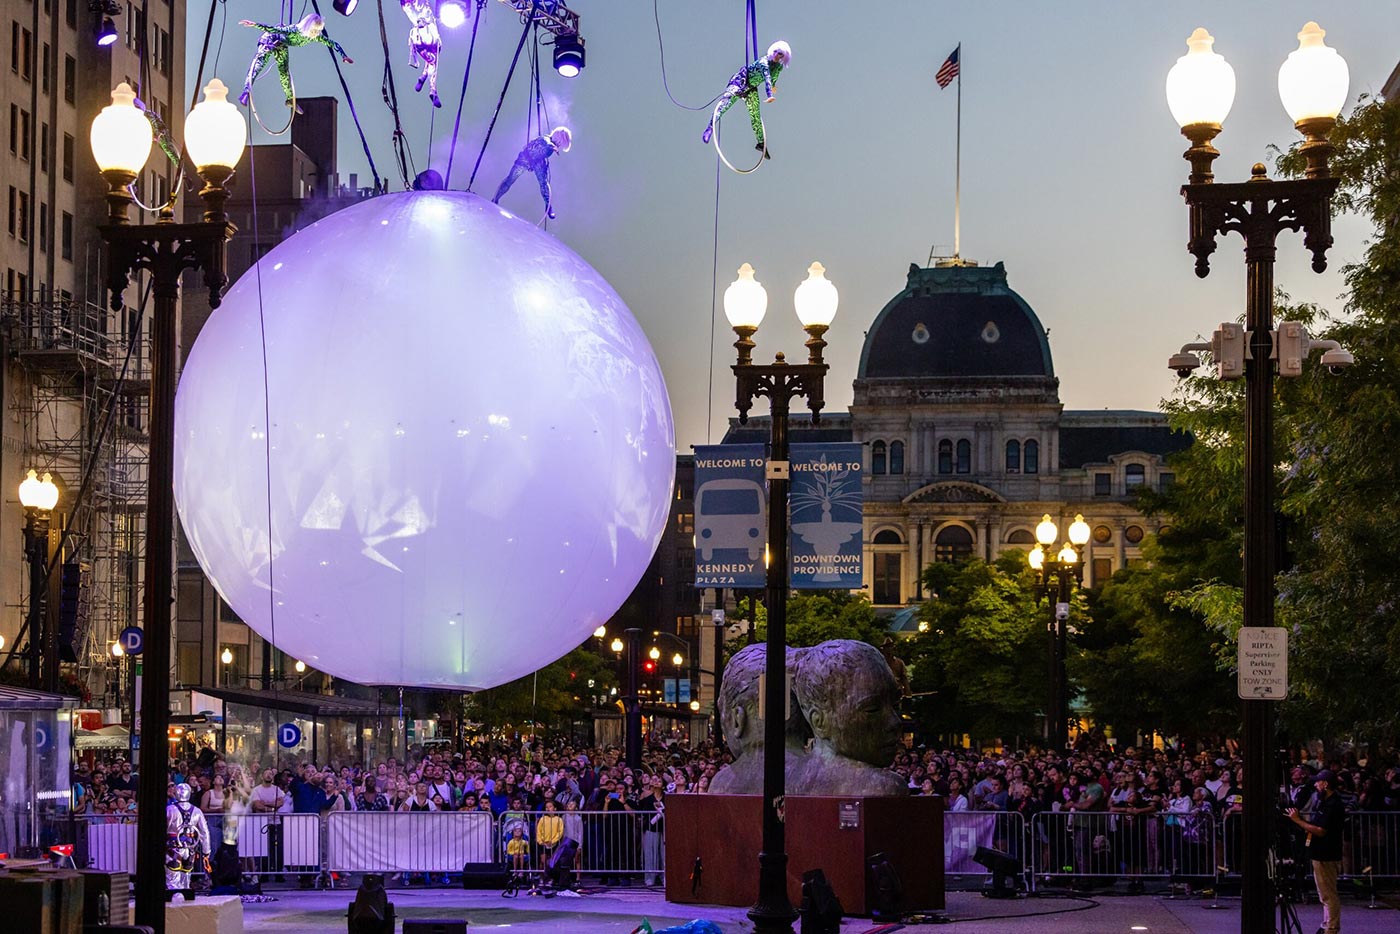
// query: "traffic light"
[[649, 666]]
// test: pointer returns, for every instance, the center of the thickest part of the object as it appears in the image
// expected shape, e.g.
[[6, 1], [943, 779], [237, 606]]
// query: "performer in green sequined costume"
[[275, 42], [744, 86]]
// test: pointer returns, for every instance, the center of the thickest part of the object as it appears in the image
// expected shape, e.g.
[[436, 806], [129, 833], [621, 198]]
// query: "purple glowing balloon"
[[471, 445]]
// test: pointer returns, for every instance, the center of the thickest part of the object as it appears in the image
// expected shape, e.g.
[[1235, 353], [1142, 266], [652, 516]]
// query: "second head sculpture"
[[842, 727]]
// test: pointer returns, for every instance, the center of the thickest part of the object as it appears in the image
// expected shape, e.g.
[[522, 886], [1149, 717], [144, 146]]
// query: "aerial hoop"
[[720, 151]]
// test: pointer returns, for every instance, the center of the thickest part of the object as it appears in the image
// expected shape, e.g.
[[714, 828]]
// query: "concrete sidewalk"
[[619, 910]]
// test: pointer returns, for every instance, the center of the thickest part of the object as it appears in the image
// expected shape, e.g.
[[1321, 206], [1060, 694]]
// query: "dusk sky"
[[1071, 162]]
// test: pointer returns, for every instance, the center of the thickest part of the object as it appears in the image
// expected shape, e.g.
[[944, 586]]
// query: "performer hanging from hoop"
[[744, 86], [275, 42]]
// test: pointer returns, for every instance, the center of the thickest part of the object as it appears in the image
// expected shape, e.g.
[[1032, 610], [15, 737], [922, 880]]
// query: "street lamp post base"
[[773, 914]]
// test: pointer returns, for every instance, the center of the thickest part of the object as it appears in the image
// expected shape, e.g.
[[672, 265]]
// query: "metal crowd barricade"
[[1086, 845], [1371, 849], [431, 844], [619, 847], [965, 831]]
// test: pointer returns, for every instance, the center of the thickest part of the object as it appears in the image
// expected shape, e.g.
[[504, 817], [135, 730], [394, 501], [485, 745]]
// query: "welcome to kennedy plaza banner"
[[826, 505], [731, 515]]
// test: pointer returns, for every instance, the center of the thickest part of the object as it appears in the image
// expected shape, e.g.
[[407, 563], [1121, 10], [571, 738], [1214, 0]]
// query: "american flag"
[[949, 69]]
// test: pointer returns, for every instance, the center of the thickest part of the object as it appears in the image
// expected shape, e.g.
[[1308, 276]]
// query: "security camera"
[[1336, 360], [1183, 363]]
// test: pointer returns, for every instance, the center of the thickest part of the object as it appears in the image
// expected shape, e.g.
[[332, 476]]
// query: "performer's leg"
[[542, 173], [255, 69], [284, 73], [726, 100], [756, 121], [430, 70], [515, 171]]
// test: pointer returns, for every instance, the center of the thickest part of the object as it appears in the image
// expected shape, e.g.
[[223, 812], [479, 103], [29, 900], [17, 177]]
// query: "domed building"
[[967, 444]]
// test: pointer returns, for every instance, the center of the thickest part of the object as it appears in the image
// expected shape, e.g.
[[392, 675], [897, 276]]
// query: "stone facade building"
[[966, 441]]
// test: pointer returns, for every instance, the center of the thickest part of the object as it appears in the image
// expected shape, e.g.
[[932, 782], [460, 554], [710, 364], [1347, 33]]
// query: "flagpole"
[[957, 170]]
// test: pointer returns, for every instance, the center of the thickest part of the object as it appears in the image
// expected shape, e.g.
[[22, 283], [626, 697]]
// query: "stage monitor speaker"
[[484, 876], [884, 893]]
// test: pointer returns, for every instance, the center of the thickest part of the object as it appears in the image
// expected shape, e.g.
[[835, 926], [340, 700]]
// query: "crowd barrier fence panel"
[[1089, 844], [965, 831], [439, 842]]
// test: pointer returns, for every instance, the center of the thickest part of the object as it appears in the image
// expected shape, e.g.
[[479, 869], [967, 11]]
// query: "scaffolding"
[[78, 361]]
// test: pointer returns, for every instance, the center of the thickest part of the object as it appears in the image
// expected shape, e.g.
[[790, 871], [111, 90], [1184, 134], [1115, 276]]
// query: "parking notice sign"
[[1263, 663]]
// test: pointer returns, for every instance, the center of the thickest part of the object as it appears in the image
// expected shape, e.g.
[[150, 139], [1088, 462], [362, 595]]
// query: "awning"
[[12, 698], [107, 737], [304, 702]]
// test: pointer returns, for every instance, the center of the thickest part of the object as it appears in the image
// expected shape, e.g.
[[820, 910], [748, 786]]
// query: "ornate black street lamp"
[[1200, 89], [1060, 567], [121, 143], [39, 497], [745, 303]]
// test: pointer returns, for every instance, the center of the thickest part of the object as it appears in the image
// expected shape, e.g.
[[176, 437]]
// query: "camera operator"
[[1324, 847]]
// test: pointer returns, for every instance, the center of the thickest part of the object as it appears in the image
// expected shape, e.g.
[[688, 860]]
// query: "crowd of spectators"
[[541, 791]]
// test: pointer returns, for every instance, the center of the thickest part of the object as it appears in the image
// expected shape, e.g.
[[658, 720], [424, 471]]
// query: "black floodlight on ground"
[[1003, 867]]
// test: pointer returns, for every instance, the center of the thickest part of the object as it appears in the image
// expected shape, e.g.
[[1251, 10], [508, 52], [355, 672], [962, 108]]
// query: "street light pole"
[[632, 703], [38, 497], [745, 303], [1063, 566], [121, 144], [1200, 90]]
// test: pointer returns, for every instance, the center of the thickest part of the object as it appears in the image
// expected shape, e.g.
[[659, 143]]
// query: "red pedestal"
[[835, 835]]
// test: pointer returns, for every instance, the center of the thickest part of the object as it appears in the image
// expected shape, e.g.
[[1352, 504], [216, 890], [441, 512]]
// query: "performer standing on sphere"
[[535, 158], [275, 42], [186, 841], [744, 86]]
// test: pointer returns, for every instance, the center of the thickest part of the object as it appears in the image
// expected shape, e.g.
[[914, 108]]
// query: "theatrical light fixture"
[[568, 54], [107, 32], [452, 13], [345, 7]]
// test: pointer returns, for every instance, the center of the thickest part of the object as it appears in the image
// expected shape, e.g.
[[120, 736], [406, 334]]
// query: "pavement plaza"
[[619, 911]]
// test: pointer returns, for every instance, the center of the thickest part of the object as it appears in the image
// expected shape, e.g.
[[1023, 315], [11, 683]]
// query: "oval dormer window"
[[990, 333], [920, 334]]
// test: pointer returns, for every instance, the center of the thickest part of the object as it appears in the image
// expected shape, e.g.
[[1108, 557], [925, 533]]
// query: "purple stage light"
[[452, 13], [107, 32]]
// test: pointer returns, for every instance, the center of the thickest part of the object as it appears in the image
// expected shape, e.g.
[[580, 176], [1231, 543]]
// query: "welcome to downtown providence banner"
[[825, 514]]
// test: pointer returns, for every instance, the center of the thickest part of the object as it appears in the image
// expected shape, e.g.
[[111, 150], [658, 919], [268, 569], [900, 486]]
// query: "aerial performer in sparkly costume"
[[275, 42], [744, 86], [424, 43], [535, 158]]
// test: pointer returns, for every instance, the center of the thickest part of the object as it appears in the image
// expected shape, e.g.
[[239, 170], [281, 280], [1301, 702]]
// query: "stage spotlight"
[[345, 7], [107, 32], [568, 54], [1004, 868], [452, 13]]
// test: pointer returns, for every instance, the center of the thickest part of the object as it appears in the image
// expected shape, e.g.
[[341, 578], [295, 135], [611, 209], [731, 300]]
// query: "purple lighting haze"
[[472, 451]]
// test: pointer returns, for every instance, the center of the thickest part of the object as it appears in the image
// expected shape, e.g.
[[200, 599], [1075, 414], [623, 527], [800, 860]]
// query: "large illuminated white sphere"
[[471, 448]]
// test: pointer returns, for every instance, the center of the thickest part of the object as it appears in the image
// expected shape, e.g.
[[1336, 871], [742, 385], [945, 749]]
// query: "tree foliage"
[[816, 616], [558, 692]]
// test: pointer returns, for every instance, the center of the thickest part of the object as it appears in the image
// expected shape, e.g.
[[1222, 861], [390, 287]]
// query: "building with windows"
[[967, 444], [75, 371]]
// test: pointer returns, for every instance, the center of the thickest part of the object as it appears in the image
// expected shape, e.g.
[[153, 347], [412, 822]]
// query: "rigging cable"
[[656, 15], [466, 76], [524, 34], [350, 102], [390, 93]]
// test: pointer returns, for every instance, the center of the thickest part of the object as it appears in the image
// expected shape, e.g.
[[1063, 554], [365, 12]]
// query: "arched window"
[[1020, 537], [954, 543], [1032, 455], [896, 457], [1134, 475], [887, 537], [1013, 457], [964, 456], [877, 457], [945, 456]]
